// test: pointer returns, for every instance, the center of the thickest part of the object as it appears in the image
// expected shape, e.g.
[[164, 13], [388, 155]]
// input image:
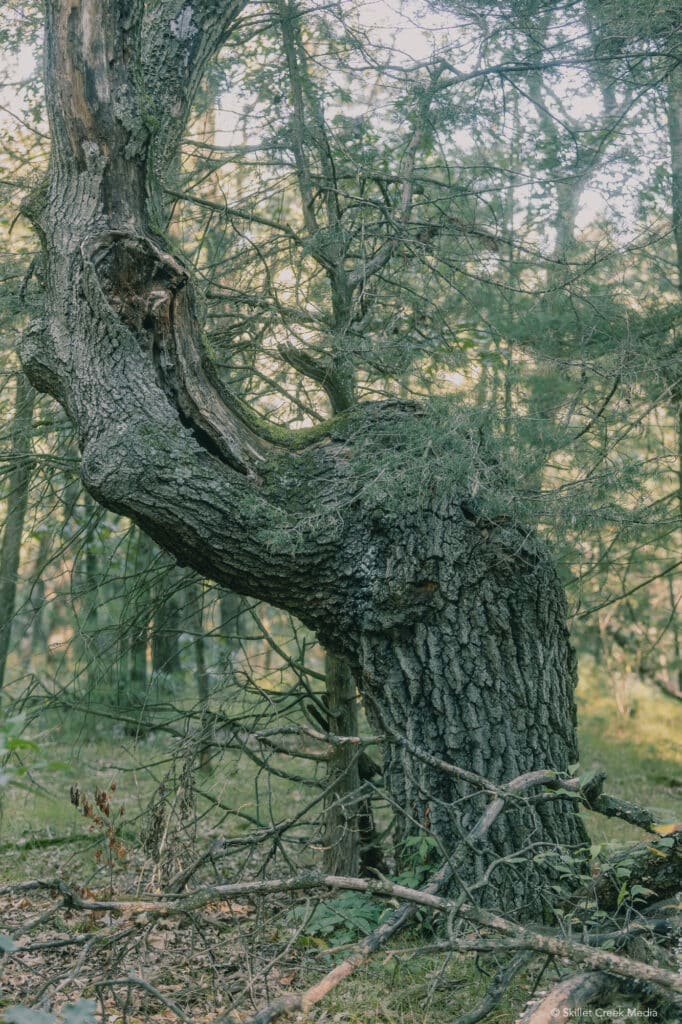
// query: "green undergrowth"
[[401, 988], [634, 734]]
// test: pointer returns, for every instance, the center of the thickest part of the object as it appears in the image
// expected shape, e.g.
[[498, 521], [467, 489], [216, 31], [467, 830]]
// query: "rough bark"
[[19, 479], [454, 625], [487, 683]]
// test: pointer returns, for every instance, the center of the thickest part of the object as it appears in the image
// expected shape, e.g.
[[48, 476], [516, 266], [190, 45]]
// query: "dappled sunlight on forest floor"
[[641, 749]]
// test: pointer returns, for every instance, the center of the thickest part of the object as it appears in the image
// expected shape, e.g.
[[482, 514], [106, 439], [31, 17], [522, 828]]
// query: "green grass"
[[640, 748], [407, 989]]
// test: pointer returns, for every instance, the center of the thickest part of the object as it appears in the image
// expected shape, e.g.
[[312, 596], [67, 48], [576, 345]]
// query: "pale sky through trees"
[[410, 32]]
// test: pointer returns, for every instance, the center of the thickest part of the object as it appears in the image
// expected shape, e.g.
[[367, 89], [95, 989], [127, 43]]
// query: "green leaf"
[[641, 890], [18, 743], [7, 944]]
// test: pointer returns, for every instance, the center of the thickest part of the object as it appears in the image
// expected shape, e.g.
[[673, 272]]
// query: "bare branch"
[[571, 993]]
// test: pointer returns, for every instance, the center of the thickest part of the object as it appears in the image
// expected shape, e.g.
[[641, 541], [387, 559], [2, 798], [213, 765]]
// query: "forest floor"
[[237, 956]]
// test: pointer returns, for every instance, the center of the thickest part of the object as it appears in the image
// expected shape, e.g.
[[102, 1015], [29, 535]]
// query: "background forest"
[[470, 203]]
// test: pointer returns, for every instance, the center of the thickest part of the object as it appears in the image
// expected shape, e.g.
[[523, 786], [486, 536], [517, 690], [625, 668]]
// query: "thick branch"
[[123, 347], [578, 991], [178, 40]]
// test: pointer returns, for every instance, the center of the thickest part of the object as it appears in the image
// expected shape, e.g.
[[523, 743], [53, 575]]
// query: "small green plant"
[[11, 744], [624, 868], [339, 921], [419, 857]]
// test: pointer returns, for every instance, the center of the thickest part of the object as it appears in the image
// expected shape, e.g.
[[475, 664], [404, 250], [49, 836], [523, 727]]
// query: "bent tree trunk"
[[453, 625], [485, 683]]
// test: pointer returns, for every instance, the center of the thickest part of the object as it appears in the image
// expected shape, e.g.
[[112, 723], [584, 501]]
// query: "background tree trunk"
[[235, 626], [166, 625], [196, 619], [39, 632], [90, 640], [18, 482], [134, 690], [341, 826]]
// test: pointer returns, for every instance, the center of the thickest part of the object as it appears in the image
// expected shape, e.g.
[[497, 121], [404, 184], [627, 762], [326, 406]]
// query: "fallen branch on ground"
[[574, 993], [495, 933]]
